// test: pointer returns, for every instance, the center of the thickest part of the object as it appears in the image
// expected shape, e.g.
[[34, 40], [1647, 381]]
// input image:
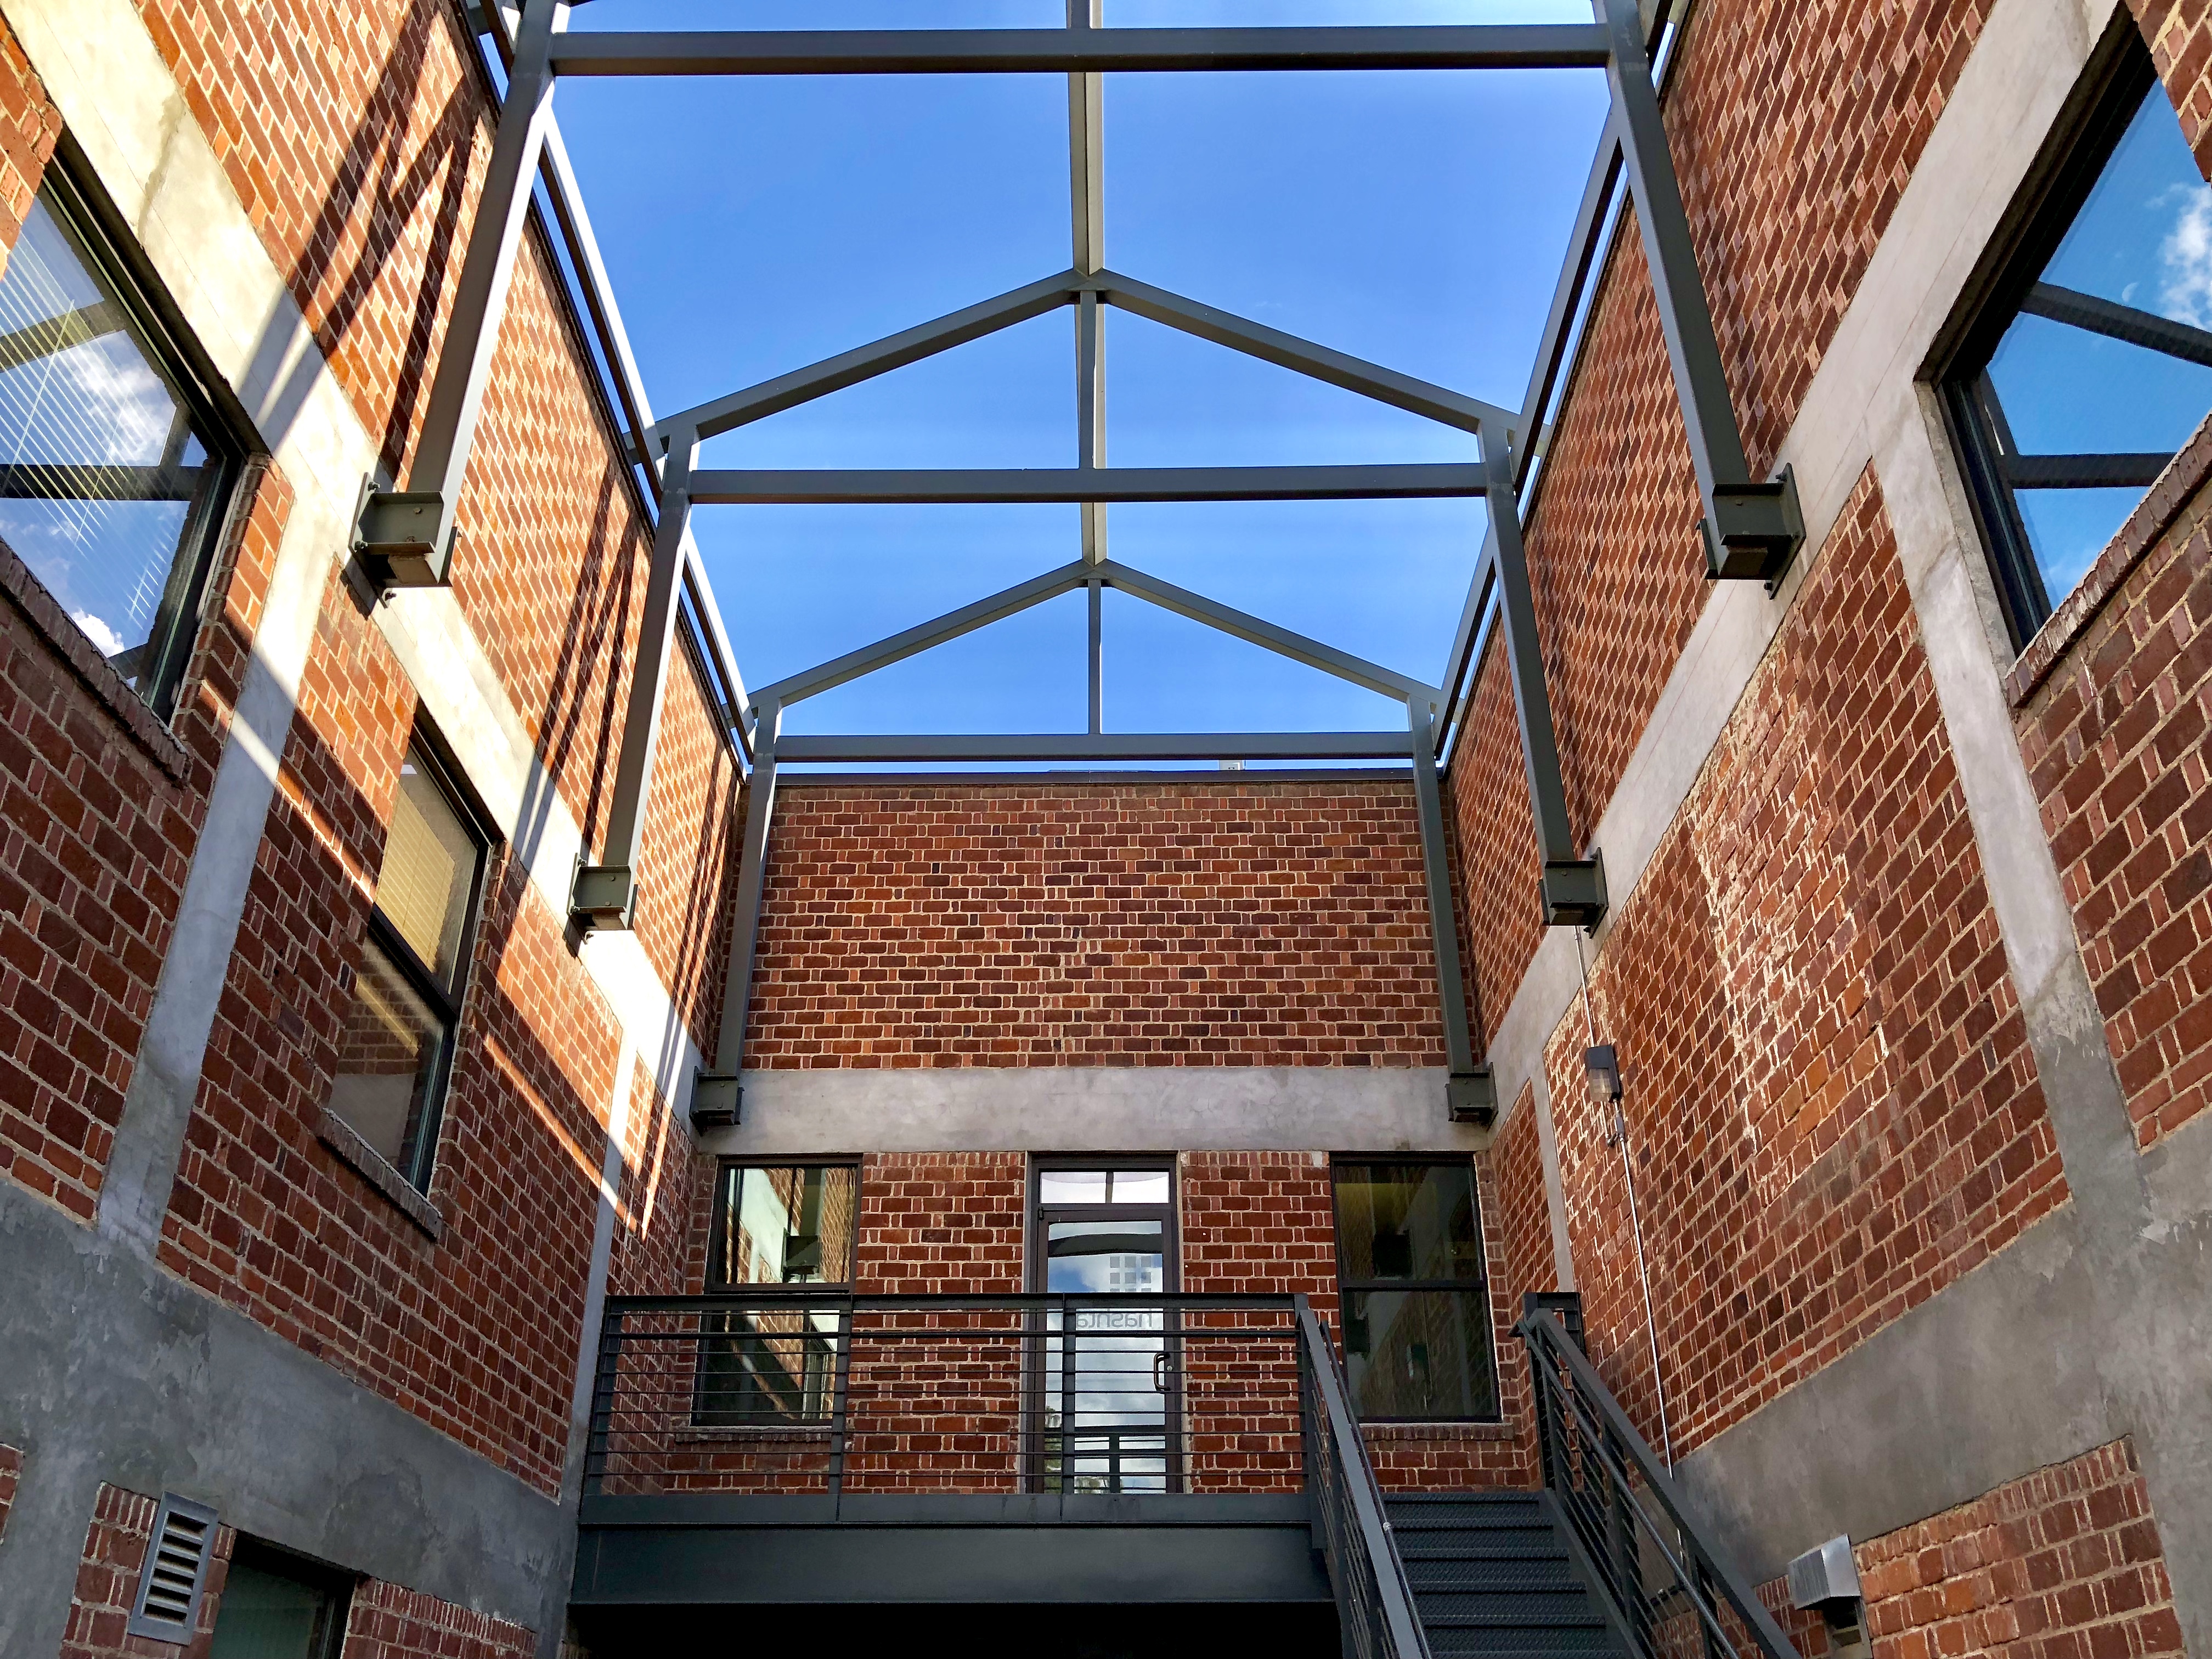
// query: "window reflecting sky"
[[2144, 239], [753, 226]]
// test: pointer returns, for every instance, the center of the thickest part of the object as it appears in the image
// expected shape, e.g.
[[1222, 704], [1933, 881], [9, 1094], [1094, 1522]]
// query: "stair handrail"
[[1606, 1436], [1341, 1452]]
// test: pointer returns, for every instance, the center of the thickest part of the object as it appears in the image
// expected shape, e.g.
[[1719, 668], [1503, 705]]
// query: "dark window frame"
[[103, 238], [418, 1159], [337, 1584], [1476, 1289], [1036, 1260], [717, 1281], [2112, 89]]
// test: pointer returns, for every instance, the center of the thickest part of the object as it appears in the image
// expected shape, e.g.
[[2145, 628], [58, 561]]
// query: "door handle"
[[1160, 1372]]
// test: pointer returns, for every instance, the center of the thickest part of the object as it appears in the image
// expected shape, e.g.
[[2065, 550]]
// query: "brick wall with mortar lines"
[[663, 1219], [2180, 32], [1793, 133], [467, 1333], [363, 196], [388, 1621], [2064, 1563], [1496, 872], [1832, 1102], [115, 1545], [1219, 924], [941, 1224], [2114, 737]]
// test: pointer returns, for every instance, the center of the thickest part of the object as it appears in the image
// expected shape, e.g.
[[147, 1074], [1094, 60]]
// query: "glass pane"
[[786, 1224], [1407, 1221], [1072, 1186], [2143, 242], [769, 1367], [1139, 1187], [1418, 1353], [390, 1055], [1105, 1258], [102, 473], [266, 1615], [429, 870]]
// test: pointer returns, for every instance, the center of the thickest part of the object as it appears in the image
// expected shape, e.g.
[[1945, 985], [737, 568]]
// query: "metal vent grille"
[[175, 1573]]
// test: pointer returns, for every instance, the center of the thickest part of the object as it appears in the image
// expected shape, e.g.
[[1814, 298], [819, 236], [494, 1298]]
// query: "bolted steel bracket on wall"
[[714, 1101], [1574, 892], [1754, 531], [1471, 1096], [397, 539], [604, 898]]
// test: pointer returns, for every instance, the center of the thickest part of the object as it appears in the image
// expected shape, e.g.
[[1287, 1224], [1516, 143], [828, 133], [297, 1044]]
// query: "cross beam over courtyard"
[[1752, 526]]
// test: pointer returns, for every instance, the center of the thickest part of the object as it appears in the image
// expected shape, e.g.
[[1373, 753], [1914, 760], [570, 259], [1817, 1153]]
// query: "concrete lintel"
[[1075, 1109]]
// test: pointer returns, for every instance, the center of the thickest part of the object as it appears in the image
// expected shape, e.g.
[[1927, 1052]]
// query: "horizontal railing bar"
[[1113, 745], [868, 1303], [1079, 52]]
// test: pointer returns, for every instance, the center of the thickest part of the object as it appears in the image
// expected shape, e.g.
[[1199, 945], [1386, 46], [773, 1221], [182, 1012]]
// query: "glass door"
[[1107, 1393]]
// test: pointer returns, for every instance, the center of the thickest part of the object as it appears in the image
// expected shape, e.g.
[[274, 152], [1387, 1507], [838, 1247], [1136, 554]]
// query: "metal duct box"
[[1825, 1575]]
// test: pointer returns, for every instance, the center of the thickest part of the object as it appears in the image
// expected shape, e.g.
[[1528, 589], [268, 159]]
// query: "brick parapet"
[[1143, 924]]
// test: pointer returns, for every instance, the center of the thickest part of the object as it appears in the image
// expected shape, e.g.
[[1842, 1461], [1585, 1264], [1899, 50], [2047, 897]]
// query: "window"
[[2088, 361], [1417, 1341], [278, 1606], [396, 1048], [784, 1224], [114, 471], [774, 1364]]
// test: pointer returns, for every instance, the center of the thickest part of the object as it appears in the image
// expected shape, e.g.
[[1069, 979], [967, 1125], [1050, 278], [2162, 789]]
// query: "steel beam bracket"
[[1574, 892], [1472, 1097], [1754, 531], [401, 538], [605, 898], [714, 1100]]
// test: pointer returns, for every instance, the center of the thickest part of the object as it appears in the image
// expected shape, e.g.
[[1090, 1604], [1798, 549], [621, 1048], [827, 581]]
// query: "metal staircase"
[[1491, 1575]]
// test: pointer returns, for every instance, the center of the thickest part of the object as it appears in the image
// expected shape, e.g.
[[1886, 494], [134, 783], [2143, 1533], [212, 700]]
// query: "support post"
[[605, 895], [1573, 887], [715, 1095], [1098, 594], [405, 538], [1752, 530], [1086, 195], [1470, 1095]]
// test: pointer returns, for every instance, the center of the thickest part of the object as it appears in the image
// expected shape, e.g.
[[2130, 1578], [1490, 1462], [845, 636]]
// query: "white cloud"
[[98, 632], [2185, 293]]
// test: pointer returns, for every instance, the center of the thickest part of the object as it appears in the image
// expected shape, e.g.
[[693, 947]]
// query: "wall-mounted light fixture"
[[1602, 1061]]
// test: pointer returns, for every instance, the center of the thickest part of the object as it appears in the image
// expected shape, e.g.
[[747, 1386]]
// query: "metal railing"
[[1669, 1589], [787, 1391], [1375, 1607]]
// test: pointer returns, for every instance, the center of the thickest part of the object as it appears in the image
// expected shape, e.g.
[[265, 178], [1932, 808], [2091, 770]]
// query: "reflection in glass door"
[[1106, 1396]]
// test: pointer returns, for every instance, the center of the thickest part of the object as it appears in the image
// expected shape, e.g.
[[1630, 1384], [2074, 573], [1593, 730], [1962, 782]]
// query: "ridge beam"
[[1132, 483]]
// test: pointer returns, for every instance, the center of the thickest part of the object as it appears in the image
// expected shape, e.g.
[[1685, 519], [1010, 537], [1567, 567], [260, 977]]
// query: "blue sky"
[[753, 227]]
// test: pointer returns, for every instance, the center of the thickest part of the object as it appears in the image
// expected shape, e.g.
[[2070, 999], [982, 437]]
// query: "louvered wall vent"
[[176, 1570]]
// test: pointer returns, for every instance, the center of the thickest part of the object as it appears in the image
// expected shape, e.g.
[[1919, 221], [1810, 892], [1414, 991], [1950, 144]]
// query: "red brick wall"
[[688, 855], [1792, 148], [662, 1222], [115, 1546], [11, 1473], [29, 123], [1239, 924], [2114, 740], [390, 1622], [96, 835], [1497, 870], [941, 1224], [2180, 32], [1831, 1102], [2060, 1564]]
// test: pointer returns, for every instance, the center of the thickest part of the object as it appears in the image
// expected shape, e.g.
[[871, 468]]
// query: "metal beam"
[[1467, 1090], [1128, 483], [2103, 472], [715, 1095], [405, 538], [1268, 637], [1115, 746], [2119, 322], [59, 333], [1079, 51], [864, 362], [1573, 885], [606, 894], [1590, 218], [951, 626], [1752, 530], [1318, 363]]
